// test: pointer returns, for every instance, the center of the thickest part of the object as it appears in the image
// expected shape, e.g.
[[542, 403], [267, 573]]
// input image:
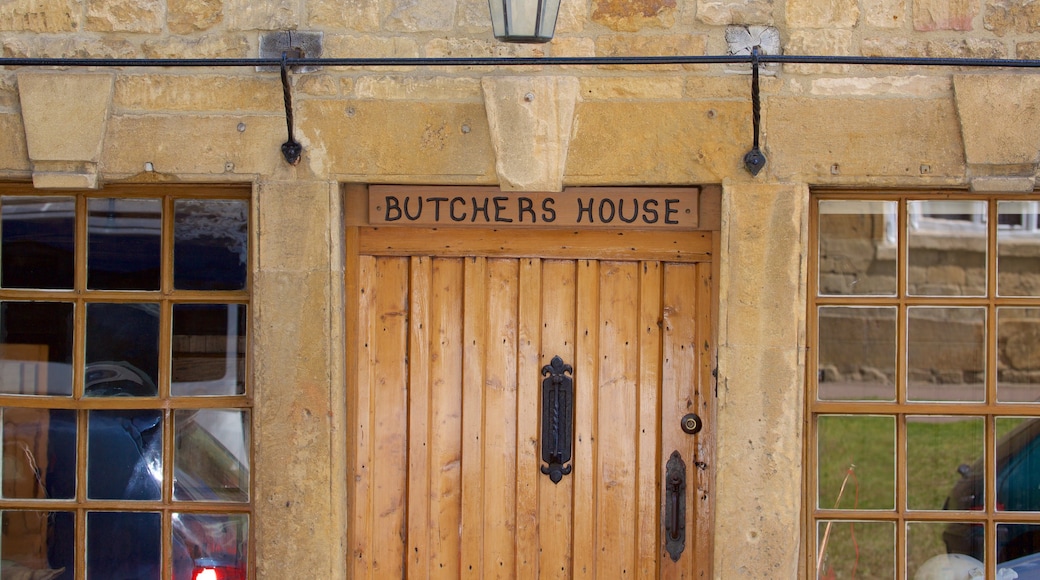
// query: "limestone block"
[[814, 42], [39, 16], [628, 88], [475, 18], [743, 12], [572, 18], [12, 143], [530, 121], [359, 15], [822, 13], [420, 16], [872, 138], [966, 48], [125, 15], [944, 14], [477, 47], [573, 46], [917, 86], [384, 140], [269, 15], [669, 142], [190, 16], [634, 15], [205, 92], [8, 93], [1012, 17], [205, 46], [318, 85], [347, 46], [884, 13], [1027, 50], [652, 45], [297, 219], [998, 118], [405, 87]]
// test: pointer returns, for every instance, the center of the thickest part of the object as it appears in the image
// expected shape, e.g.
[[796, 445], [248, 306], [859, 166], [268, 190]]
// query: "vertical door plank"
[[704, 402], [360, 527], [616, 420], [528, 408], [474, 357], [680, 376], [586, 381], [418, 419], [445, 417], [558, 287], [649, 335]]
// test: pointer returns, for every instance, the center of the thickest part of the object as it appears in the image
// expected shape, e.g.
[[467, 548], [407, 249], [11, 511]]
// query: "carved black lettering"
[[604, 216], [480, 209], [393, 209], [548, 211], [526, 207], [621, 210], [668, 211], [650, 215], [582, 210], [451, 209], [499, 208], [418, 211], [437, 207]]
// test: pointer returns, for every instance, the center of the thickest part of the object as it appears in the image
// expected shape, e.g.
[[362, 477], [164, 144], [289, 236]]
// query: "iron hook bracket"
[[755, 160], [292, 150]]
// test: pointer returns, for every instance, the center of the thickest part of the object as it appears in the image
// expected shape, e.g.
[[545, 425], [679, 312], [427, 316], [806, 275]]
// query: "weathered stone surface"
[[884, 13], [39, 16], [474, 17], [190, 16], [819, 42], [729, 87], [69, 46], [125, 15], [573, 46], [420, 16], [822, 13], [634, 15], [270, 15], [998, 117], [944, 48], [927, 87], [726, 12], [46, 110], [344, 46], [359, 15], [12, 144], [530, 120], [622, 88], [317, 85], [474, 47], [206, 46], [1027, 50], [158, 92], [1012, 17], [401, 87], [663, 45], [932, 15], [572, 18]]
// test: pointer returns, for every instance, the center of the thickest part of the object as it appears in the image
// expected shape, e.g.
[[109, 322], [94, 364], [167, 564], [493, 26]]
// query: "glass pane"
[[857, 353], [124, 455], [855, 549], [857, 247], [123, 545], [1018, 550], [38, 242], [947, 248], [39, 453], [208, 349], [856, 462], [1018, 248], [122, 350], [36, 348], [1018, 464], [211, 455], [38, 545], [946, 358], [1018, 352], [124, 246], [209, 250], [944, 462], [944, 551], [210, 546]]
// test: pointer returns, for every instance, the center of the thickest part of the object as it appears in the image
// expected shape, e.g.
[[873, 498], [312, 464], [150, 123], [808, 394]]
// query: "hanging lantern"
[[524, 20]]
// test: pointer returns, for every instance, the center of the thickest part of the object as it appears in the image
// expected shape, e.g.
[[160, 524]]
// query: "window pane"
[[122, 545], [855, 549], [36, 348], [39, 453], [946, 359], [857, 247], [856, 462], [857, 353], [947, 248], [208, 349], [218, 542], [1018, 549], [211, 455], [38, 545], [38, 242], [944, 461], [124, 455], [1018, 249], [122, 350], [124, 244], [1018, 348], [1018, 464], [210, 244], [944, 550]]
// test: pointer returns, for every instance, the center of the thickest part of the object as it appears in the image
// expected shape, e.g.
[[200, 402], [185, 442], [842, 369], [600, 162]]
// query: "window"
[[923, 448], [124, 397]]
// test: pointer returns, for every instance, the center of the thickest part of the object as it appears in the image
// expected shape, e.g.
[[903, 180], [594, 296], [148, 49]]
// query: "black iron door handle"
[[675, 506], [557, 418]]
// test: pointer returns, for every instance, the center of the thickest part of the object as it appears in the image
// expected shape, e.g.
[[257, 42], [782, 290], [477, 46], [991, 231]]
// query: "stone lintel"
[[530, 121], [65, 115], [998, 115], [1004, 184]]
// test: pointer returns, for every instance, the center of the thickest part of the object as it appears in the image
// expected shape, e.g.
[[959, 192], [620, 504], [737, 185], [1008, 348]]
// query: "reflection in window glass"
[[1018, 464], [934, 550], [855, 549], [1018, 549], [38, 242], [208, 349], [122, 545], [217, 542], [36, 348], [946, 254], [122, 350], [39, 450], [211, 455], [946, 358], [1018, 248], [857, 247], [857, 353], [124, 455], [856, 462], [124, 246], [37, 545], [210, 244], [1018, 344], [944, 452]]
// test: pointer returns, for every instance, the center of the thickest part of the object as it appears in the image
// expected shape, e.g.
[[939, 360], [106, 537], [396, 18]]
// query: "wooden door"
[[446, 350]]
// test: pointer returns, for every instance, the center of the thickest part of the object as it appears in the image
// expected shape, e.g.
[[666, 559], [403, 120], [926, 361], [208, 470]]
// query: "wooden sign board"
[[677, 208]]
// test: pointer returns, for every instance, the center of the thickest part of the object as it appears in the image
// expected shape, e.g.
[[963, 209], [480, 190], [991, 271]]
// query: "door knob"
[[691, 424]]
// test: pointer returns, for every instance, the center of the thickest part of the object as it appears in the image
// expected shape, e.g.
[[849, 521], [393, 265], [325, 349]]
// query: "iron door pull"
[[675, 506], [557, 418]]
